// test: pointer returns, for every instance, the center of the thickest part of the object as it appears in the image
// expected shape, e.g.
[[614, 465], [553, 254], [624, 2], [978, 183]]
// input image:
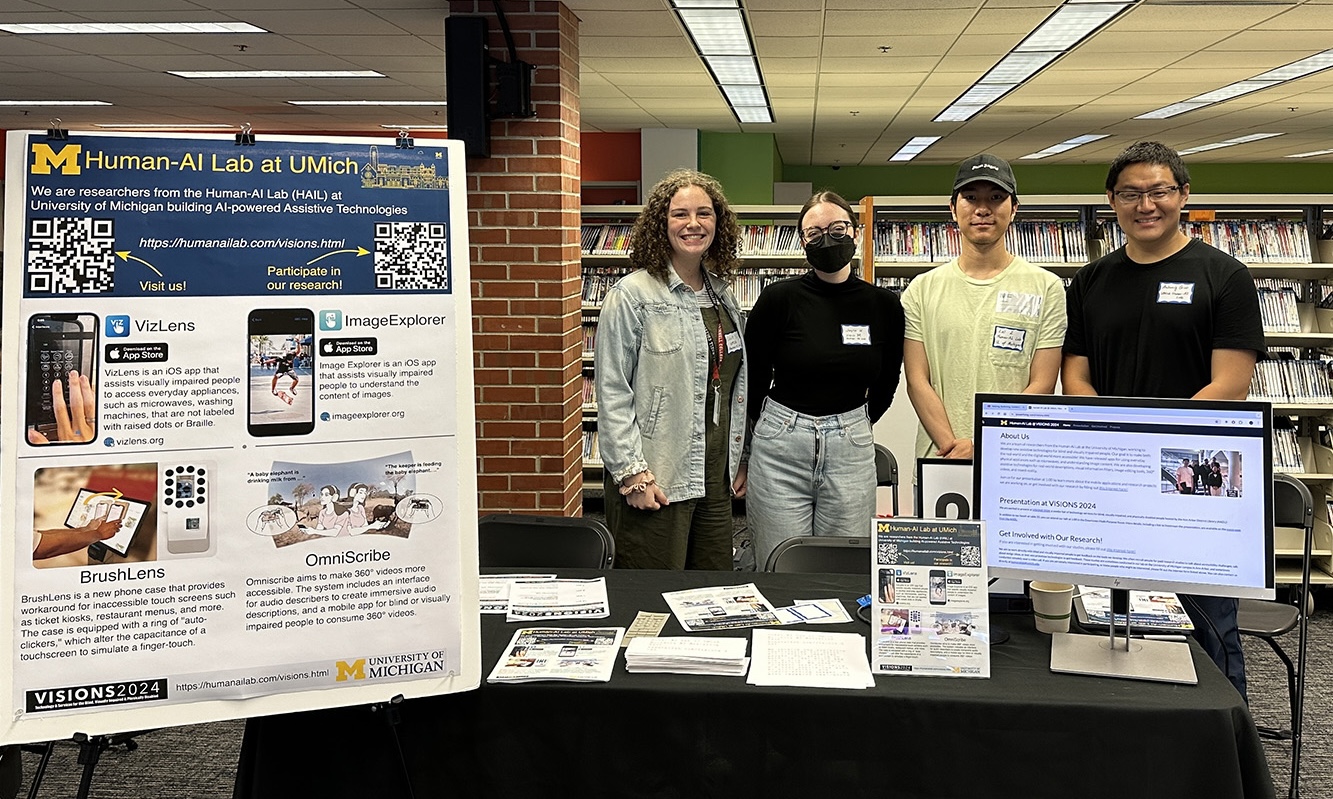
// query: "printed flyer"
[[930, 612], [238, 432]]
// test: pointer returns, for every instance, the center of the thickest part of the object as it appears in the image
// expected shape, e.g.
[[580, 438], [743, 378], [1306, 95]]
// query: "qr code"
[[71, 256], [888, 552], [411, 255], [971, 555]]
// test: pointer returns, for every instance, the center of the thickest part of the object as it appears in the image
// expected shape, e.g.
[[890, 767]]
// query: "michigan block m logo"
[[67, 160], [356, 670]]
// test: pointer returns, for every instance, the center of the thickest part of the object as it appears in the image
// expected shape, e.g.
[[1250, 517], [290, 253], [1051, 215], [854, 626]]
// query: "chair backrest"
[[886, 472], [1292, 504], [516, 540], [821, 554]]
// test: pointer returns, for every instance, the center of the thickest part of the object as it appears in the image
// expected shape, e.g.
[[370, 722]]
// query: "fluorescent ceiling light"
[[734, 69], [984, 94], [1299, 69], [753, 113], [959, 113], [168, 125], [914, 147], [717, 31], [1064, 146], [1229, 143], [1233, 90], [745, 95], [1310, 154], [1273, 77], [368, 102], [130, 27], [26, 103], [721, 37], [415, 127], [276, 73], [1071, 23], [1168, 111], [1018, 67]]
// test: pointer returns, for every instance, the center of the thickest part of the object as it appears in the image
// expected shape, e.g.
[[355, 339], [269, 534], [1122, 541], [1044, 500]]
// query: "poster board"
[[261, 357]]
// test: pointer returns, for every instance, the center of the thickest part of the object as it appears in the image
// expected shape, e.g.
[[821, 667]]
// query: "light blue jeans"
[[809, 475]]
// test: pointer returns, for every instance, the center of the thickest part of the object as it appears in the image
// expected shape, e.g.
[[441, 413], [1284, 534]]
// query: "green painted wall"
[[747, 164], [854, 182]]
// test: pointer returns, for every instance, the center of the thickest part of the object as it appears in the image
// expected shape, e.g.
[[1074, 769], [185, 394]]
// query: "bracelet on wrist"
[[639, 487]]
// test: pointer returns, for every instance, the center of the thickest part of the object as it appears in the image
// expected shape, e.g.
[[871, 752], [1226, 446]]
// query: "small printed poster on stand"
[[930, 613]]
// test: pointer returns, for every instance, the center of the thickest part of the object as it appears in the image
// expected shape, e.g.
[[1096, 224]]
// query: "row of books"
[[1269, 241], [1287, 452], [605, 239], [596, 282], [755, 240], [1277, 310], [590, 452], [589, 335], [1039, 241], [589, 390], [1292, 381]]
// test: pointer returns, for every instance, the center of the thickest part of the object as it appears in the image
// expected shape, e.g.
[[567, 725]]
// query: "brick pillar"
[[523, 218]]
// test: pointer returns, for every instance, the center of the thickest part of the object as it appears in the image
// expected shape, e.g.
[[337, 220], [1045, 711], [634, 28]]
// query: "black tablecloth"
[[1025, 732]]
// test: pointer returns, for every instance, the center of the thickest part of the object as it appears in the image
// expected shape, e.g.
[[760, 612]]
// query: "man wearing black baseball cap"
[[986, 321]]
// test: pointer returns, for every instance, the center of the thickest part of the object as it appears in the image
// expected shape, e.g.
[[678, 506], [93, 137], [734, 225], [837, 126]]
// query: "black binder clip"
[[55, 132], [245, 138], [404, 141]]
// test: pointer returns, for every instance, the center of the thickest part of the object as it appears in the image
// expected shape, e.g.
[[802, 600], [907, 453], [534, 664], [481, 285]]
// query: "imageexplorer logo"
[[330, 320], [117, 326]]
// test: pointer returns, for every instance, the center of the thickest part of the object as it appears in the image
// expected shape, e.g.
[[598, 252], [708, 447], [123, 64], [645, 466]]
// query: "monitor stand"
[[1127, 658]]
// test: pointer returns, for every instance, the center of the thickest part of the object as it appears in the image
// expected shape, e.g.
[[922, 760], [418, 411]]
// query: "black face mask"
[[830, 253]]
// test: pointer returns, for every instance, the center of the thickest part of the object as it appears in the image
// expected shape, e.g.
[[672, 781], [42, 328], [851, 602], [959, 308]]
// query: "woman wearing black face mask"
[[824, 354]]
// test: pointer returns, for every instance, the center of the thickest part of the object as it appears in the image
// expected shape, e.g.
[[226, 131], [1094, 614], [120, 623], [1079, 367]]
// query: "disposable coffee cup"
[[1051, 605]]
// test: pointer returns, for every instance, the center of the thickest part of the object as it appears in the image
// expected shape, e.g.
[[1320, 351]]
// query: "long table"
[[1025, 732]]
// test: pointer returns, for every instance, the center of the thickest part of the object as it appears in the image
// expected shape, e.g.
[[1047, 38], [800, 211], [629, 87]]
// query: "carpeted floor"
[[199, 762]]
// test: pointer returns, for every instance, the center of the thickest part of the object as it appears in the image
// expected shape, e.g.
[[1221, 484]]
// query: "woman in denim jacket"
[[671, 383]]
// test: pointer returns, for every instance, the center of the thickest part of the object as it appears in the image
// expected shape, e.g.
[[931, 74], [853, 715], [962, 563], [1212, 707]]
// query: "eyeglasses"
[[839, 229], [1156, 195]]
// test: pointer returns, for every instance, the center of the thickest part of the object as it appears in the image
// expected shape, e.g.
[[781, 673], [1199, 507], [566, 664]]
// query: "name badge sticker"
[[1016, 303], [856, 334], [733, 341], [1008, 338], [1175, 293]]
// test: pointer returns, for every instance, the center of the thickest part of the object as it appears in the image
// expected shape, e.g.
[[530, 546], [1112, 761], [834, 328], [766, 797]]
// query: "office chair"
[[1293, 507], [886, 472], [515, 540], [821, 554]]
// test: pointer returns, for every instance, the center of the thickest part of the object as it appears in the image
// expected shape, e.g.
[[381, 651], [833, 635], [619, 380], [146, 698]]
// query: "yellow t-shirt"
[[981, 335]]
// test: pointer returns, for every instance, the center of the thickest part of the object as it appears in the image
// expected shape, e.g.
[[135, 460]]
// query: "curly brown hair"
[[651, 250]]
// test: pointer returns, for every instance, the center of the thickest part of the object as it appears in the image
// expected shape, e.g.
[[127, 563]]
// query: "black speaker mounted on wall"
[[467, 82]]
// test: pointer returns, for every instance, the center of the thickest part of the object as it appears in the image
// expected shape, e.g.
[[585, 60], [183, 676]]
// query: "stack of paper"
[[681, 655], [559, 653], [810, 660]]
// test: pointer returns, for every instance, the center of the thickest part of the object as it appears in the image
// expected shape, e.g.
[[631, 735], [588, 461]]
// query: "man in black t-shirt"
[[1165, 316]]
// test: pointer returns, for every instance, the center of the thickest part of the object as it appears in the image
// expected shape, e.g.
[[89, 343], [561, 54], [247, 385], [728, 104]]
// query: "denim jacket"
[[652, 383]]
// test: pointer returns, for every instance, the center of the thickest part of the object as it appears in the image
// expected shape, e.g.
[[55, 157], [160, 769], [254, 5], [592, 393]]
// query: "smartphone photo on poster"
[[61, 410], [281, 352], [939, 591]]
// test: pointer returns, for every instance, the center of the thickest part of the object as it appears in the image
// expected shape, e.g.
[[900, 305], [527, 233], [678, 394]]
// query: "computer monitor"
[[1118, 492]]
